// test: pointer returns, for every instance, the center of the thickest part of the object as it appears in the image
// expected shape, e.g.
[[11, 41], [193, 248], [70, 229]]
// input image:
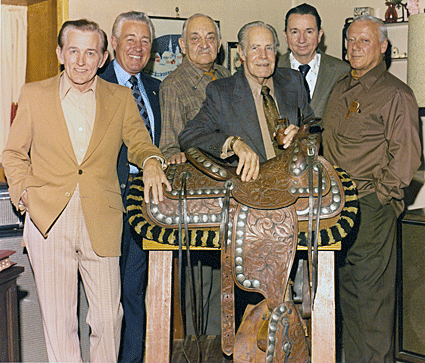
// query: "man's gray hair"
[[131, 16], [198, 15], [256, 24], [383, 33]]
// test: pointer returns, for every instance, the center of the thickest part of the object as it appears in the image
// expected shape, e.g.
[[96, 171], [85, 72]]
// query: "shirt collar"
[[368, 79], [197, 70], [256, 87], [65, 86], [314, 63], [122, 75]]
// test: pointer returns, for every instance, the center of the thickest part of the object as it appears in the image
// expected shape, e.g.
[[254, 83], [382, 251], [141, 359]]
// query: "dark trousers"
[[133, 264], [367, 281]]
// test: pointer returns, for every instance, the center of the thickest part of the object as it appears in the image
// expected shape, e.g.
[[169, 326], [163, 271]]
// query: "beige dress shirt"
[[79, 109], [258, 100]]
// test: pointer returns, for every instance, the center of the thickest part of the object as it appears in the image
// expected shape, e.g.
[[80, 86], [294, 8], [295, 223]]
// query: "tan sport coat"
[[39, 157]]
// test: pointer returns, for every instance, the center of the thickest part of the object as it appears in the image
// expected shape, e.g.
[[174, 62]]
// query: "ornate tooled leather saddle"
[[261, 223]]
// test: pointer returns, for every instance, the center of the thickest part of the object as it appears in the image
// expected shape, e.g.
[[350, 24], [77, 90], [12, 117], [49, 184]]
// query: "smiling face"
[[133, 47], [201, 45], [303, 37], [259, 56], [81, 55], [364, 49]]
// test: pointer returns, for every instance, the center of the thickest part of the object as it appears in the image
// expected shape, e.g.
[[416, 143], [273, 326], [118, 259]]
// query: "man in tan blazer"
[[60, 162]]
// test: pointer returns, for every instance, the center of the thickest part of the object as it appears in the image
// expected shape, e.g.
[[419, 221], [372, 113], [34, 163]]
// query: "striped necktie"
[[140, 103]]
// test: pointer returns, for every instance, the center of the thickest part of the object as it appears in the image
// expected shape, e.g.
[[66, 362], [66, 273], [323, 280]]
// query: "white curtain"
[[13, 45]]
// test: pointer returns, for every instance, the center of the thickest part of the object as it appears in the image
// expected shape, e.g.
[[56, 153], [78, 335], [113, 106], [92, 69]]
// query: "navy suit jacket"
[[229, 110], [152, 90]]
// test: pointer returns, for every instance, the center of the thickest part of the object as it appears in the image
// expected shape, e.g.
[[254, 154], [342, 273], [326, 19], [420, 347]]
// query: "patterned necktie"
[[211, 74], [304, 68], [140, 103], [272, 115]]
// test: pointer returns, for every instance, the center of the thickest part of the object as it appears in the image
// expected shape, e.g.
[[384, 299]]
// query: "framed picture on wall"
[[166, 53], [234, 60]]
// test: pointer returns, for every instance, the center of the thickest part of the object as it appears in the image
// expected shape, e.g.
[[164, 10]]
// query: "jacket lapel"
[[244, 106], [322, 83], [106, 106], [54, 114]]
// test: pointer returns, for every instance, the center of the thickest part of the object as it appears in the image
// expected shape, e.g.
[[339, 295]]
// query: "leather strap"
[[228, 328], [183, 219]]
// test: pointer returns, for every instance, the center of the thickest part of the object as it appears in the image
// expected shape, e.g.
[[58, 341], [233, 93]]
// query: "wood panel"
[[42, 62]]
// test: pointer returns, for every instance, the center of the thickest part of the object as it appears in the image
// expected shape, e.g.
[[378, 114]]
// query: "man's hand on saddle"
[[284, 136], [177, 158], [249, 162], [153, 179]]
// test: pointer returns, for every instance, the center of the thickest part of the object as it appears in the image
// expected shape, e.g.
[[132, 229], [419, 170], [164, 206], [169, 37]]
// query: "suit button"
[[80, 172], [67, 194], [122, 186]]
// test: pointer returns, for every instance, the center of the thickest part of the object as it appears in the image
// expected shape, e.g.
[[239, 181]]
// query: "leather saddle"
[[263, 221]]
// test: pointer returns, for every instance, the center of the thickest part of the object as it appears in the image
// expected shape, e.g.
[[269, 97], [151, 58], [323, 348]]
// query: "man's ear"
[[384, 46], [241, 54], [114, 42], [286, 37], [59, 54], [219, 46], [105, 57], [320, 36], [182, 45]]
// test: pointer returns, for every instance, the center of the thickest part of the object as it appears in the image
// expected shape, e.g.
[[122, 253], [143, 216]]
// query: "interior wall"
[[233, 14]]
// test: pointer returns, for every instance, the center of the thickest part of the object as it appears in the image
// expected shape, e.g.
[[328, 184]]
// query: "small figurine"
[[413, 7]]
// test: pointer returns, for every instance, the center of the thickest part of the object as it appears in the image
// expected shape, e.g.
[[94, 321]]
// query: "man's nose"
[[263, 53], [203, 43], [81, 59]]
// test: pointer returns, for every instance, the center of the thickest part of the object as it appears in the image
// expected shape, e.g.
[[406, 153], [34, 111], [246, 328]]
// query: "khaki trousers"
[[56, 261]]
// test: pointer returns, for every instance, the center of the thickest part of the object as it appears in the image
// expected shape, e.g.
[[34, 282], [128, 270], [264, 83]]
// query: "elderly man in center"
[[303, 33], [183, 91], [181, 96], [232, 124]]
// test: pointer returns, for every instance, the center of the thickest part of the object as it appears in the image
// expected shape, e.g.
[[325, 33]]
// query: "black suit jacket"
[[229, 110], [152, 90]]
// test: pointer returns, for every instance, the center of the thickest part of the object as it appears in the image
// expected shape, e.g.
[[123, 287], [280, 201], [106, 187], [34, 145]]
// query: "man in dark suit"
[[303, 34], [131, 39], [233, 119]]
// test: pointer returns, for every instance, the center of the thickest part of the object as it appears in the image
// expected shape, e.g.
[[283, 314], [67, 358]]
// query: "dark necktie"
[[140, 103], [304, 68], [271, 114]]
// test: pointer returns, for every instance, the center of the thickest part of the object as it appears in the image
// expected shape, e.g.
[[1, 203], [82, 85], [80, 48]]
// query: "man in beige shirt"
[[58, 165]]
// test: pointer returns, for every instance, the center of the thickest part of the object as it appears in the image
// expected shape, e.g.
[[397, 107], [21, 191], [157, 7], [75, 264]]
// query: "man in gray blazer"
[[232, 120], [303, 33]]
